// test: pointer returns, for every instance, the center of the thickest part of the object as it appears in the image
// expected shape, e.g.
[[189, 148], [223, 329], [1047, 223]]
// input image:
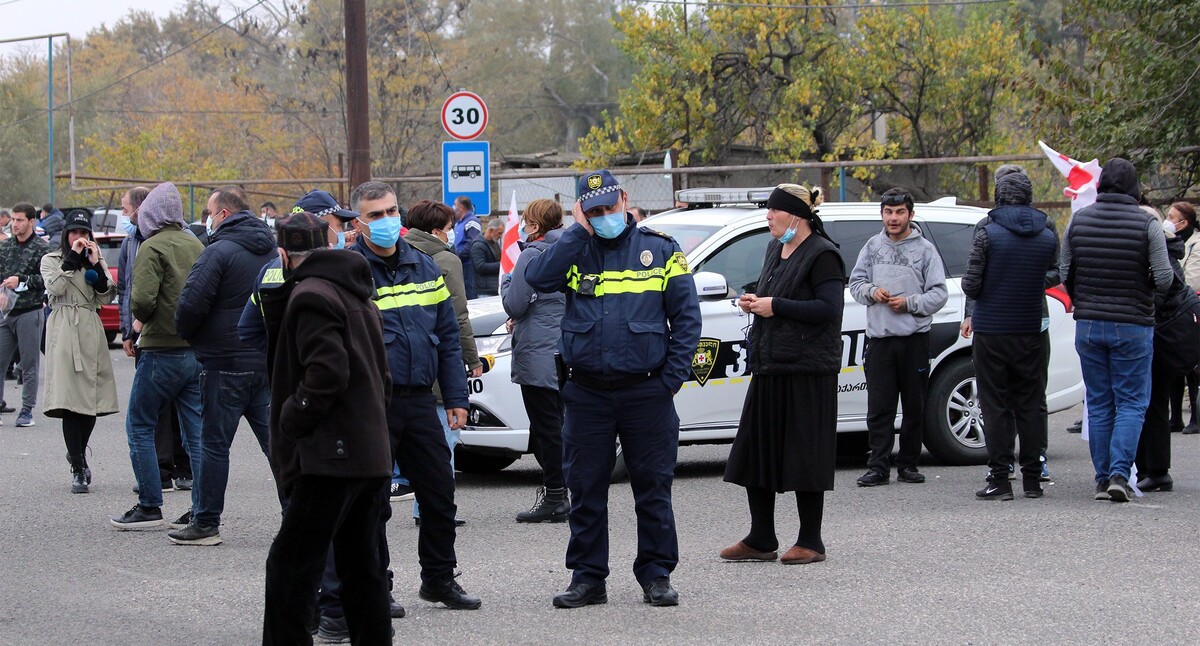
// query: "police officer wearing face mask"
[[421, 336], [629, 334]]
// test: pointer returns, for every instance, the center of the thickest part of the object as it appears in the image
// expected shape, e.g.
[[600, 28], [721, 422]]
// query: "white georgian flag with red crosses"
[[509, 250], [1082, 177]]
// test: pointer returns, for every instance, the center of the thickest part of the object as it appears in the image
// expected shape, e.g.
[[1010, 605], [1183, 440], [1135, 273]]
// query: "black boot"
[[78, 480], [551, 507], [87, 471], [1193, 426]]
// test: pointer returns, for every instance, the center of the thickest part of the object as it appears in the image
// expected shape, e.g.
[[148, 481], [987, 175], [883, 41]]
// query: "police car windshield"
[[689, 236]]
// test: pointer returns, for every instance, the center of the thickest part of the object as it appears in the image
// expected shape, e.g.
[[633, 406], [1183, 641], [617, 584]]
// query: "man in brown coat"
[[329, 442]]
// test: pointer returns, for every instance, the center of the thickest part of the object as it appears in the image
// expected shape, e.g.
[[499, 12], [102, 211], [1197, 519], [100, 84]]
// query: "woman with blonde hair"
[[535, 320], [79, 376], [786, 437]]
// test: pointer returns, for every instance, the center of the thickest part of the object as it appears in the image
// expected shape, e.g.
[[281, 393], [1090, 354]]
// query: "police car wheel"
[[472, 462], [953, 420]]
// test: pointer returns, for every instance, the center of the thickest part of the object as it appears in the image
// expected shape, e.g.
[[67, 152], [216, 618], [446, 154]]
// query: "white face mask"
[[1168, 226], [450, 237]]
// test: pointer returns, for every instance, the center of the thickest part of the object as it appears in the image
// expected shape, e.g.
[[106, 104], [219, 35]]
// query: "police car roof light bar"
[[695, 197]]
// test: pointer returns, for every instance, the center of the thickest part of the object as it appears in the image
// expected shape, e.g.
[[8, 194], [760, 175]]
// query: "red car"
[[110, 315]]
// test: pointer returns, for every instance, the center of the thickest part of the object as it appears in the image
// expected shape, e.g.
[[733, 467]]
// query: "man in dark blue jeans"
[[233, 381], [168, 370]]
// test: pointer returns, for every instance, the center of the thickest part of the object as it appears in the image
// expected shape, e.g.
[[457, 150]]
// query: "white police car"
[[724, 234]]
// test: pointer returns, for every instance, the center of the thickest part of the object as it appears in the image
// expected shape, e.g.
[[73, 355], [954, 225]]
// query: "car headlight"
[[494, 344]]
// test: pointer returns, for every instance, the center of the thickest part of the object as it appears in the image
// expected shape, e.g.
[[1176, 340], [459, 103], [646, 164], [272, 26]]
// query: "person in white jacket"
[[1183, 216]]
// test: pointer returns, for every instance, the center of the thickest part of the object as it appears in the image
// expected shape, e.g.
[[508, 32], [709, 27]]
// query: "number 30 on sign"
[[464, 116]]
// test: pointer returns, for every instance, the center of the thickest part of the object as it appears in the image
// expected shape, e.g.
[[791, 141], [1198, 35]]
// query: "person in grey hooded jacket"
[[900, 277], [535, 318]]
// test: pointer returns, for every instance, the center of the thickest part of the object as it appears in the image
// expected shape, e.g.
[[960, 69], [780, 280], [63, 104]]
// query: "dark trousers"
[[322, 511], [897, 367], [1154, 446], [544, 406], [226, 397], [419, 447], [1007, 369], [1191, 383], [643, 418]]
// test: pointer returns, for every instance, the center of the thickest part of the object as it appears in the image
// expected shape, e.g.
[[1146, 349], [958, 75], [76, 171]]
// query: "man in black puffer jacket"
[[1114, 259], [233, 381]]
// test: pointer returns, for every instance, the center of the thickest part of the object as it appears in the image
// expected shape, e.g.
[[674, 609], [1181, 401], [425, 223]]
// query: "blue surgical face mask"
[[383, 232], [789, 234], [608, 226], [130, 228], [341, 243]]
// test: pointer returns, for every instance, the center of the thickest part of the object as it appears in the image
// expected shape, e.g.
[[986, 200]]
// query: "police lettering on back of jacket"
[[629, 335]]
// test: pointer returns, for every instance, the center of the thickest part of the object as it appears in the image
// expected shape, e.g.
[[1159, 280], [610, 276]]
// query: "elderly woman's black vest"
[[784, 346]]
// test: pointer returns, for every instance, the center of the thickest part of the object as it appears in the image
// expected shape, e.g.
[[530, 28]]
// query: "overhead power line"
[[137, 71]]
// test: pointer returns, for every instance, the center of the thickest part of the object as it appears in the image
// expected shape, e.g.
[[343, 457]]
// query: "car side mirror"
[[710, 285]]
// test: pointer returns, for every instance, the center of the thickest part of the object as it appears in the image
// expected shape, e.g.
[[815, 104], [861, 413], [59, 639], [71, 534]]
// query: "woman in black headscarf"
[[786, 438]]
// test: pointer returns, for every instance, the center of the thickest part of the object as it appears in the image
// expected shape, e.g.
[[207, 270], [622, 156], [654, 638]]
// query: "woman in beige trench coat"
[[79, 374]]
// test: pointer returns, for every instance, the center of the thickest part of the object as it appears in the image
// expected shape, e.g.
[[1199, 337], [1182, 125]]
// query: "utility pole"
[[358, 125]]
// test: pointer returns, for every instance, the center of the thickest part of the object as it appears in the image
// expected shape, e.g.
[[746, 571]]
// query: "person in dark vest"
[[900, 278], [1175, 321], [1005, 274], [1114, 259], [786, 439]]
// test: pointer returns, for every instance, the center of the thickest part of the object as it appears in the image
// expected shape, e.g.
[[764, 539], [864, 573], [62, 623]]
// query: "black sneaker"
[[449, 593], [4, 407], [333, 630], [1102, 490], [183, 483], [660, 593], [910, 475], [873, 478], [996, 491], [194, 534], [139, 517], [1118, 489], [578, 595], [551, 506], [182, 521], [1077, 427], [400, 493], [1033, 490]]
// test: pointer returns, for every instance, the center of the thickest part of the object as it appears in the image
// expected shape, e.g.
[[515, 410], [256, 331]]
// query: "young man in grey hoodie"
[[900, 278]]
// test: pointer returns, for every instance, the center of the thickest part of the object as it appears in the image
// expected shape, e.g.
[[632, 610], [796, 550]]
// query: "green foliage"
[[1125, 81]]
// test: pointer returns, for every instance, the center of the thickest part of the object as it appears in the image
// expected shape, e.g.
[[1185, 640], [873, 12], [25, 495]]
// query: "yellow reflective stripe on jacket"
[[628, 281], [412, 294], [271, 278]]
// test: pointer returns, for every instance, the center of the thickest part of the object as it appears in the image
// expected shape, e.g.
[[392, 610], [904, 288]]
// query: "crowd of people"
[[341, 336]]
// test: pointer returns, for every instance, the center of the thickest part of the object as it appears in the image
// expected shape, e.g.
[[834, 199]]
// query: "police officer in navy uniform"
[[629, 335], [420, 333]]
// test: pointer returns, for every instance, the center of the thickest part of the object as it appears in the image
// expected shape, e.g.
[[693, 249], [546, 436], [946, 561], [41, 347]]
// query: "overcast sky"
[[76, 17]]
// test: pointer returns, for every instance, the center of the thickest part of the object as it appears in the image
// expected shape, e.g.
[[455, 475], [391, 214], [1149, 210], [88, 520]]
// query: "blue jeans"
[[163, 376], [227, 397], [1115, 358], [452, 440]]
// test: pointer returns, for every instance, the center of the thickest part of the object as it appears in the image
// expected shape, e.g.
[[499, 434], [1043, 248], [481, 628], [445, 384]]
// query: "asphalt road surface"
[[908, 564]]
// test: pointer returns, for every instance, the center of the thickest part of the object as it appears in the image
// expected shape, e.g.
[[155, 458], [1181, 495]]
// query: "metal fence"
[[653, 188]]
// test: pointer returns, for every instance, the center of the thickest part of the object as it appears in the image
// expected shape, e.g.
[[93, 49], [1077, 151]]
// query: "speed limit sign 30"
[[464, 116]]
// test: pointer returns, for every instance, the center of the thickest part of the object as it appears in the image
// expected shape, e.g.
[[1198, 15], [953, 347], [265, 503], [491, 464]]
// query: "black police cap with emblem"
[[598, 188], [302, 231]]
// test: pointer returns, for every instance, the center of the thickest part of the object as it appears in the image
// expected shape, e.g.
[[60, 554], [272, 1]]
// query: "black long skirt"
[[786, 439]]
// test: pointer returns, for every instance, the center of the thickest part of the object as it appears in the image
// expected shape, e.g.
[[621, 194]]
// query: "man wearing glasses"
[[899, 276]]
